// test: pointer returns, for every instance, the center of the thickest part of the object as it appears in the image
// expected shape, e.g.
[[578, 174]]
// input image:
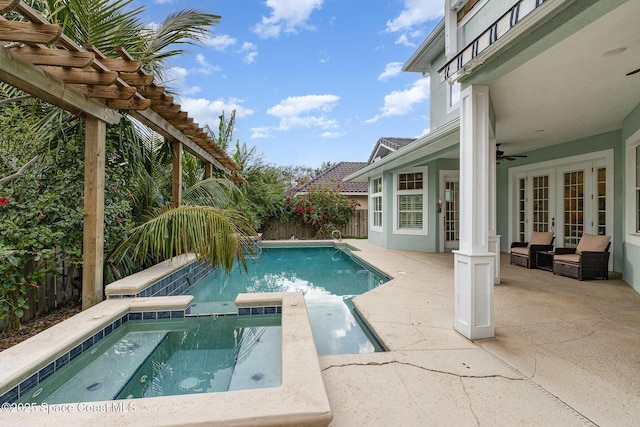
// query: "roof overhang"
[[422, 59], [445, 137]]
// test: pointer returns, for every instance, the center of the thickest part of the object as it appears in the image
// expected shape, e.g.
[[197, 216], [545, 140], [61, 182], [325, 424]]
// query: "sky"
[[311, 81]]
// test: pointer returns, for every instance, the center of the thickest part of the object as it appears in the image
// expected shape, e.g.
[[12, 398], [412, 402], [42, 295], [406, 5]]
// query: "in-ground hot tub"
[[300, 399]]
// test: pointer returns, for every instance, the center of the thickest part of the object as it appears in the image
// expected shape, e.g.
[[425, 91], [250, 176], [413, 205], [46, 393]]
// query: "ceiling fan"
[[500, 156]]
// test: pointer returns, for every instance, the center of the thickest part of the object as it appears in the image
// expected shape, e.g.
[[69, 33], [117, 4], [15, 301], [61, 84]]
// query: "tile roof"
[[388, 145], [334, 176]]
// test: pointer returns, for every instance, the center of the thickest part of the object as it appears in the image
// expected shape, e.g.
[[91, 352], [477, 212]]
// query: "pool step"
[[259, 359], [108, 373]]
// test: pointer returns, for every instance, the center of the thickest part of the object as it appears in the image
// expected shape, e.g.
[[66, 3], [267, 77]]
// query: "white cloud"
[[331, 135], [250, 51], [205, 68], [260, 133], [176, 77], [286, 16], [416, 12], [399, 103], [220, 42], [296, 111], [404, 41], [392, 69], [207, 112]]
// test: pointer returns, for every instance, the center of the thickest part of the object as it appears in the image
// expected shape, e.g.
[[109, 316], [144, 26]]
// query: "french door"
[[570, 199], [449, 207]]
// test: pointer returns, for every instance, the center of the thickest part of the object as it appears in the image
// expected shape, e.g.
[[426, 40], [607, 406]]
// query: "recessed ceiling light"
[[616, 51]]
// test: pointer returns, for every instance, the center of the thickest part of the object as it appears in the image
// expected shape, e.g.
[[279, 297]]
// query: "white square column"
[[474, 270]]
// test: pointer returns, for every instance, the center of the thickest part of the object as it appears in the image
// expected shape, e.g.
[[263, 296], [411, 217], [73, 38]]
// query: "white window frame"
[[453, 102], [374, 195], [632, 203], [396, 193]]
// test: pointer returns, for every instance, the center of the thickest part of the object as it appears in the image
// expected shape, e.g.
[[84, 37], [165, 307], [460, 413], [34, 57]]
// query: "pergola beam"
[[24, 76], [55, 57], [156, 123], [27, 32]]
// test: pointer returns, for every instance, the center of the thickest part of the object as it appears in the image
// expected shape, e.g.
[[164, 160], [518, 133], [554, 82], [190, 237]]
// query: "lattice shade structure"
[[113, 83], [37, 58]]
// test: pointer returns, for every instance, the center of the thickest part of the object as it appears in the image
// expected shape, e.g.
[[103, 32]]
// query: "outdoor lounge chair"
[[525, 253], [589, 260]]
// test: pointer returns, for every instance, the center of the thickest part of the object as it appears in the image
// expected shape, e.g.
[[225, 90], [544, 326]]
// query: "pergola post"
[[176, 176], [474, 265], [208, 170], [93, 240]]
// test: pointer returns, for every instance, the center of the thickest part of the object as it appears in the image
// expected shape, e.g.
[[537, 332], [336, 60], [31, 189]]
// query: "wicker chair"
[[525, 253], [588, 261]]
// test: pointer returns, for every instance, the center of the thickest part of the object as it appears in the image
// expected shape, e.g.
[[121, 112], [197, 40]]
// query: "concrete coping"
[[141, 280], [300, 399]]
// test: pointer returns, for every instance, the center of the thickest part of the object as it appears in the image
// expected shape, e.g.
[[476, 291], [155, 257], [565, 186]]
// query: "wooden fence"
[[56, 291], [283, 230]]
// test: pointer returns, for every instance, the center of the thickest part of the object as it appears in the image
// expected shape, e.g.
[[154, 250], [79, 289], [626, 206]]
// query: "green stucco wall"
[[438, 114]]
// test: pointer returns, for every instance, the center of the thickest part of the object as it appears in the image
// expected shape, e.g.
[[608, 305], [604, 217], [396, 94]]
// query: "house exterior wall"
[[387, 238], [439, 111], [606, 141]]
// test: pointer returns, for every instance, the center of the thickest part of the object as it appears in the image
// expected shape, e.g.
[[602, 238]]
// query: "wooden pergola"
[[38, 59]]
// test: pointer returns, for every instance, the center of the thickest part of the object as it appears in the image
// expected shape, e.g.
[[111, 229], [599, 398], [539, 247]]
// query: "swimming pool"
[[168, 357], [329, 277]]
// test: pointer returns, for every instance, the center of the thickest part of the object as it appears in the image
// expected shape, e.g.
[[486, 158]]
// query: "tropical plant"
[[323, 207], [41, 167], [212, 230]]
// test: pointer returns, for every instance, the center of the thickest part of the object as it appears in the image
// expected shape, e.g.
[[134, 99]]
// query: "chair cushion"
[[572, 258], [592, 243], [520, 251], [541, 238]]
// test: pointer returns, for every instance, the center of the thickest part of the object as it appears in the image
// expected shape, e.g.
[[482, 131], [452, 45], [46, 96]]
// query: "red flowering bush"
[[323, 207]]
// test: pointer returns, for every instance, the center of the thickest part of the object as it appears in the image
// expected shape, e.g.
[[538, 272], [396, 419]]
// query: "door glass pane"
[[452, 208], [573, 208], [602, 201], [521, 210], [541, 203]]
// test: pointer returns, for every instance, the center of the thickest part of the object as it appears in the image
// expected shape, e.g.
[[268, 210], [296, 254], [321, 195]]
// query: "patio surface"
[[565, 352]]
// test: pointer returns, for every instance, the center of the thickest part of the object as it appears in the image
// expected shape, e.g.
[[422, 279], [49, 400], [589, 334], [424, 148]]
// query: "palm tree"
[[205, 224], [211, 229]]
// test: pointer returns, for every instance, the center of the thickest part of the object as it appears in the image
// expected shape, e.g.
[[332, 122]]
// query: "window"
[[453, 97], [376, 204], [409, 200]]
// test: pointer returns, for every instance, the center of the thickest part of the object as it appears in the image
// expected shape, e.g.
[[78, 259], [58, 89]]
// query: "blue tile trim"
[[271, 309], [176, 283], [46, 371]]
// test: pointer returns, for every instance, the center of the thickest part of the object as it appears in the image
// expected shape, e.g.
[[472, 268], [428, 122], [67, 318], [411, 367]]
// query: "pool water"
[[149, 358], [328, 277]]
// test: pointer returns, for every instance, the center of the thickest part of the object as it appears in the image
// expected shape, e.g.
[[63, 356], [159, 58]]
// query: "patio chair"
[[587, 261], [525, 253]]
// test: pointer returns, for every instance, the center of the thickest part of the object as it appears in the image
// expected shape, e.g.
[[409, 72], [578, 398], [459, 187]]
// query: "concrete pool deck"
[[565, 352]]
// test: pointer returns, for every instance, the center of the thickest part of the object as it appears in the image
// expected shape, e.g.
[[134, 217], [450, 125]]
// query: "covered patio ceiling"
[[583, 85], [37, 58]]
